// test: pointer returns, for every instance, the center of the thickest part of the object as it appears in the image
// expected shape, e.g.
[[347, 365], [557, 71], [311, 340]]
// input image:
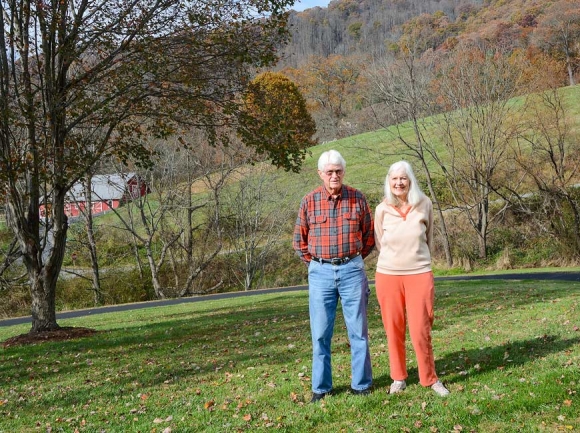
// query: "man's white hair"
[[332, 157]]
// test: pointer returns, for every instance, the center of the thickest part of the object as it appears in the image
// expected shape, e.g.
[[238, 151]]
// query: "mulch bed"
[[61, 334]]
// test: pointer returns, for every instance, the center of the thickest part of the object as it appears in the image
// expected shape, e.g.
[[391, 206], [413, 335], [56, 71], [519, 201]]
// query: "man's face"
[[332, 176]]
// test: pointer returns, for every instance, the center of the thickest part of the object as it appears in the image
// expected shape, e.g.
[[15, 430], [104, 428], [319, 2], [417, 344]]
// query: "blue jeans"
[[327, 283]]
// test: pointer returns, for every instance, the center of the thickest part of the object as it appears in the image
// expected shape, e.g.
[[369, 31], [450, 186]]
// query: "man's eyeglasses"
[[329, 173]]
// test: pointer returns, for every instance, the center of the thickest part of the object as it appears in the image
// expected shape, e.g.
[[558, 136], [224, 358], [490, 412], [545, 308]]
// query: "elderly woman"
[[404, 279]]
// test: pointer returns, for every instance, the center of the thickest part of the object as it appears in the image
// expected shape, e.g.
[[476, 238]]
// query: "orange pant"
[[415, 295]]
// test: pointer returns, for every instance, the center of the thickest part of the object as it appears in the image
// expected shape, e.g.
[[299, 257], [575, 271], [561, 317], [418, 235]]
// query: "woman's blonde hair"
[[414, 195]]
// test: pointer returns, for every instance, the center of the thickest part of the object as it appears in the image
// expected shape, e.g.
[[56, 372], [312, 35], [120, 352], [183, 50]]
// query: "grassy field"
[[509, 351]]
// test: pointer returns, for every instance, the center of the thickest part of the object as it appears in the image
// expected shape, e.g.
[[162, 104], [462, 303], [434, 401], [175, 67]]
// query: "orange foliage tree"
[[276, 121]]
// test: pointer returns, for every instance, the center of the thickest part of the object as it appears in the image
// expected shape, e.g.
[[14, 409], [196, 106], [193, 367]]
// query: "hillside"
[[369, 155]]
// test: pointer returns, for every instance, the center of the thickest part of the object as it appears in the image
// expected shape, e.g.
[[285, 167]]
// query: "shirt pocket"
[[352, 219], [351, 216], [316, 219]]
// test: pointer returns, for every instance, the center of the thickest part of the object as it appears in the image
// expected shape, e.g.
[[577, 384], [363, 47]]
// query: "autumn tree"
[[276, 121], [401, 89], [426, 32], [474, 89], [255, 212], [201, 172], [548, 150], [558, 33], [145, 219], [115, 73]]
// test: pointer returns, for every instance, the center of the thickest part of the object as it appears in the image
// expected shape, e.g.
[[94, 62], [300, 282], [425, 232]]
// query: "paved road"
[[559, 276]]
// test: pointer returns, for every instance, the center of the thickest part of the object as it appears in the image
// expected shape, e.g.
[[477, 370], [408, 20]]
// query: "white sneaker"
[[440, 389], [397, 386]]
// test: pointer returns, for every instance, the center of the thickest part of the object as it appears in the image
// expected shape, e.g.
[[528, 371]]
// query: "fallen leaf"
[[247, 417], [209, 404]]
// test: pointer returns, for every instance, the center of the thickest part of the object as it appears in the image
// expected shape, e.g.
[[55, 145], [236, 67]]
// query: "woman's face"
[[399, 183]]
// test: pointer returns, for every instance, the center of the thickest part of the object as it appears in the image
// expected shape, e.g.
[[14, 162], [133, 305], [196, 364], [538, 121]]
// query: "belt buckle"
[[336, 261]]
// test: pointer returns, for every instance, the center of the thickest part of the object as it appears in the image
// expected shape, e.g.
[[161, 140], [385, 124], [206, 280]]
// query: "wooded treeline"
[[349, 27]]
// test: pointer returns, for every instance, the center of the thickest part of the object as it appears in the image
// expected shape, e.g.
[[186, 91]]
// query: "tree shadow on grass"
[[455, 367], [473, 362]]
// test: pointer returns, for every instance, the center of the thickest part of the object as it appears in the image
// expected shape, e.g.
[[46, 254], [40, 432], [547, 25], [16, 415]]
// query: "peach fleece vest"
[[404, 240]]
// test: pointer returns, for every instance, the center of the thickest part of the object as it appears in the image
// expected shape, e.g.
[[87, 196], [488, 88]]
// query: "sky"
[[300, 5]]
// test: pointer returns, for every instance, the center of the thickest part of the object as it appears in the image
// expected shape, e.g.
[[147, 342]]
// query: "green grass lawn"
[[509, 351]]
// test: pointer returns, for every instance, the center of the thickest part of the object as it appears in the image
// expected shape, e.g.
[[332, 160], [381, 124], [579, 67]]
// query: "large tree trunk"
[[39, 243], [43, 307]]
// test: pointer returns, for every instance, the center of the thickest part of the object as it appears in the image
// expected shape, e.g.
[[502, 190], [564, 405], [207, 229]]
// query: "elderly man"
[[333, 234]]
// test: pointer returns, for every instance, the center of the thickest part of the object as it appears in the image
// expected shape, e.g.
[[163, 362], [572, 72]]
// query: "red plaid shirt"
[[328, 228]]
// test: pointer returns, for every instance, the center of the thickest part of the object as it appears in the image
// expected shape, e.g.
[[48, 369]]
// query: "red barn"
[[109, 191]]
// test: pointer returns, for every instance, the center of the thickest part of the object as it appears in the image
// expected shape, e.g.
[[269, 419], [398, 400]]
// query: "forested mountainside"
[[334, 52], [349, 27], [369, 27]]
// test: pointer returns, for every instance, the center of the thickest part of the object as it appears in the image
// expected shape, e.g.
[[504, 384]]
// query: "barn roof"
[[103, 186]]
